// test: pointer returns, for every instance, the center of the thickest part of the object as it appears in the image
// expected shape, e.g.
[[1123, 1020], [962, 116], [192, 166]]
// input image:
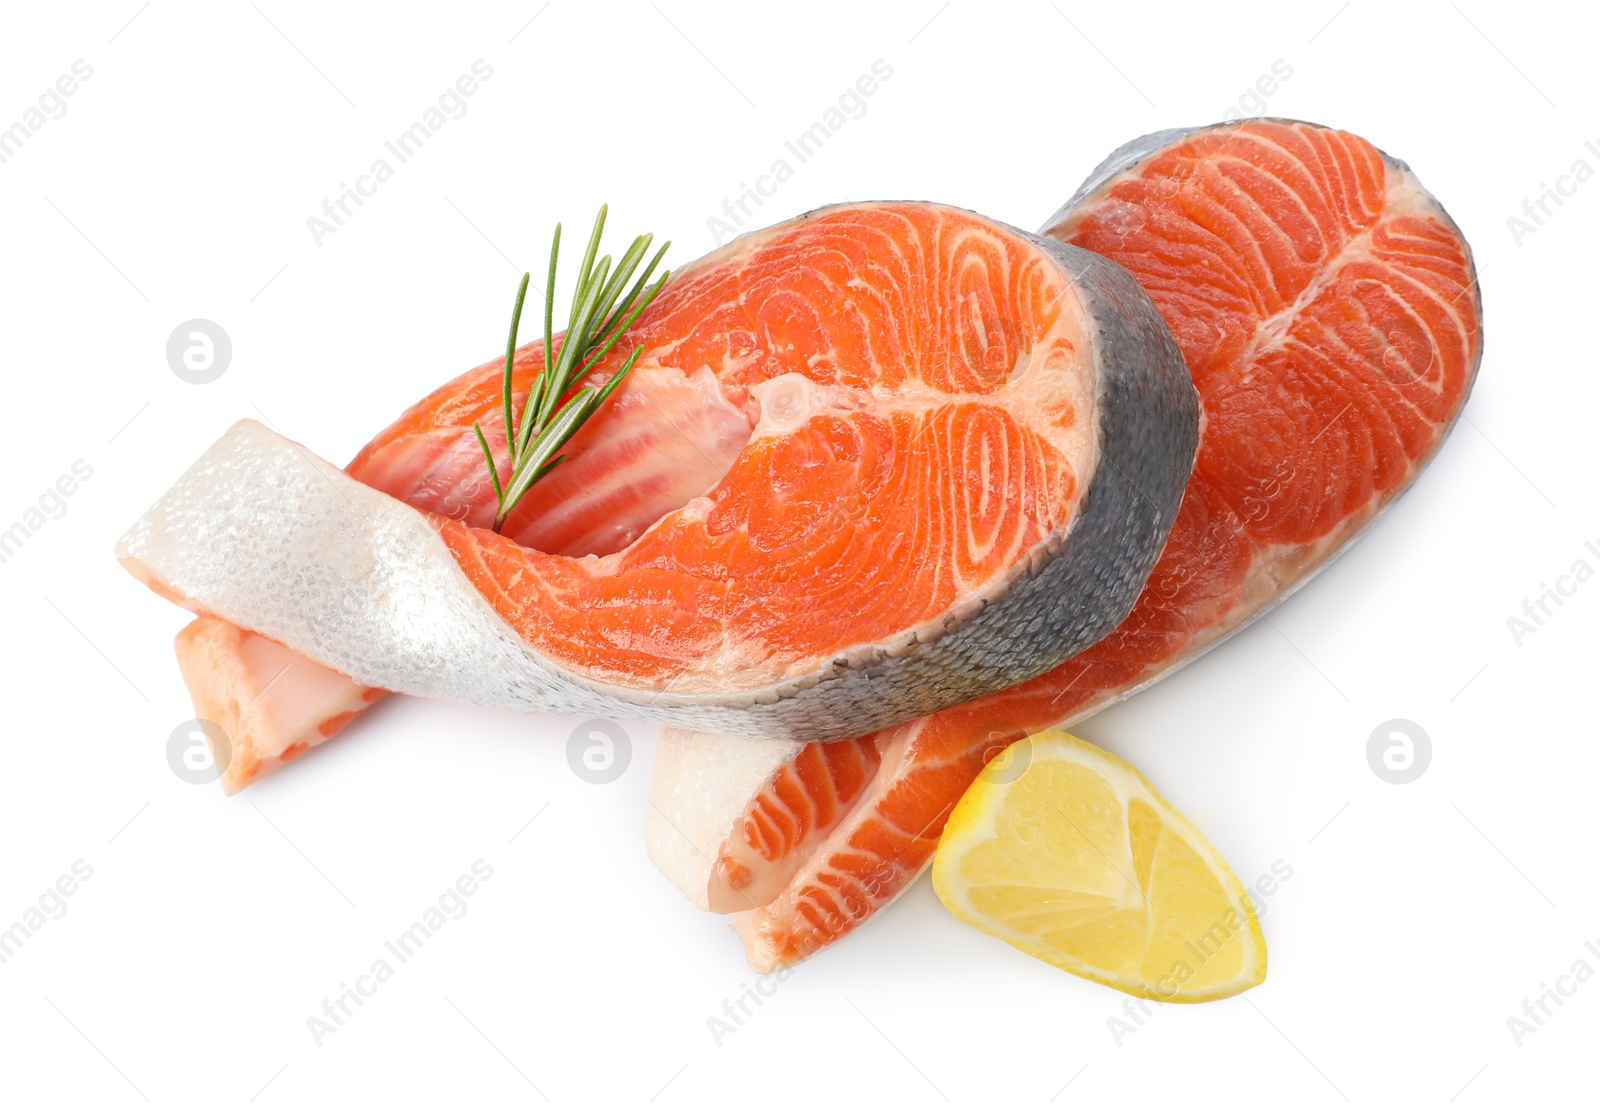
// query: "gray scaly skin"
[[361, 583]]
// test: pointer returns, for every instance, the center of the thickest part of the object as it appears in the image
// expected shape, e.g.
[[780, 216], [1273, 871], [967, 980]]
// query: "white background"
[[177, 185]]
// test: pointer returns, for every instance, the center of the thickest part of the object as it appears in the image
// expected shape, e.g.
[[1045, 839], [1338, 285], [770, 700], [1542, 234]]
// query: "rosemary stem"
[[601, 314]]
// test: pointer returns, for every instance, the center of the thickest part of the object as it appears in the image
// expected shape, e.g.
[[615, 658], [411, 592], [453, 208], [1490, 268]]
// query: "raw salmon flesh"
[[1328, 311], [915, 457]]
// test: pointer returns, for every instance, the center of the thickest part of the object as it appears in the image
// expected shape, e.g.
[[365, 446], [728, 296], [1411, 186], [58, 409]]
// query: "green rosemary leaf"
[[550, 299], [644, 278], [587, 264], [610, 385], [530, 412], [557, 433], [572, 346], [545, 471], [488, 459], [555, 407], [628, 321], [619, 280], [505, 388]]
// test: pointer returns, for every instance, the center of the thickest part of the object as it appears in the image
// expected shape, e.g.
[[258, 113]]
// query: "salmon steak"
[[870, 463], [1328, 312]]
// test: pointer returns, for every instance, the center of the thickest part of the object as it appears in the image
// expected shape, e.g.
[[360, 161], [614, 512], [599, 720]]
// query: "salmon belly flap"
[[870, 463], [1328, 312], [663, 441]]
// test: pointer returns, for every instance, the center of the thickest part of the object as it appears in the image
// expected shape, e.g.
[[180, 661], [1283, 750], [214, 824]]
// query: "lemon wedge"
[[1064, 851]]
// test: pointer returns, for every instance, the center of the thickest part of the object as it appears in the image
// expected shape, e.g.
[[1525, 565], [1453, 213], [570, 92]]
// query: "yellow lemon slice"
[[1063, 850]]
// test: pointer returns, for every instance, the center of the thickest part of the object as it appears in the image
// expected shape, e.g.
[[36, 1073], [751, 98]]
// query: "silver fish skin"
[[265, 535]]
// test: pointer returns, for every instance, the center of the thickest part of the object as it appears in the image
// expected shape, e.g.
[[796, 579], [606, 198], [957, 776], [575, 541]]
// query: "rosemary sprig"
[[601, 314]]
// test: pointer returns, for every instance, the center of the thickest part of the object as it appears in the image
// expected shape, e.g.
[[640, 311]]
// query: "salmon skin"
[[1328, 311], [966, 447]]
